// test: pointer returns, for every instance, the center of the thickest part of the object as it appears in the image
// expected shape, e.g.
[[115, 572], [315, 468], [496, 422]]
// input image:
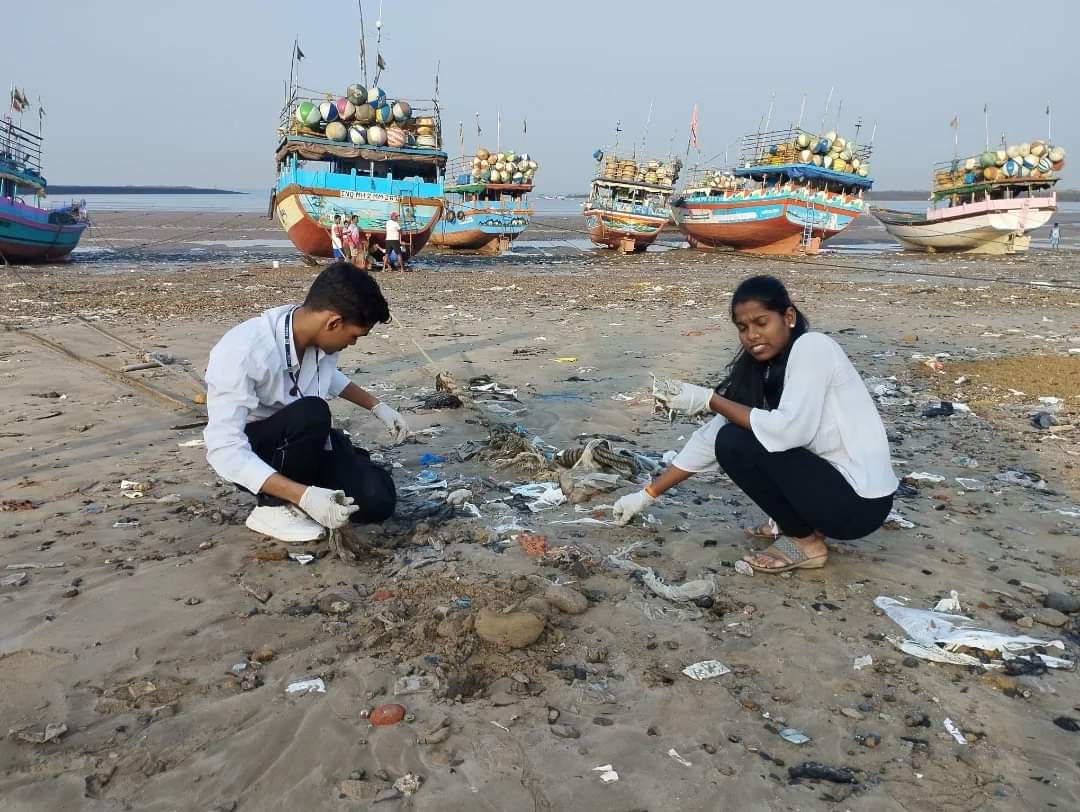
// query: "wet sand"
[[131, 641]]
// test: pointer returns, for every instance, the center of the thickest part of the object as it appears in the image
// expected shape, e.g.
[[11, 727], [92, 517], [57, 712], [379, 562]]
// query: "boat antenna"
[[802, 109], [839, 109], [858, 126], [292, 67], [461, 137], [1048, 136], [498, 130], [645, 134], [986, 123], [824, 115], [618, 129], [873, 133], [379, 64], [363, 44]]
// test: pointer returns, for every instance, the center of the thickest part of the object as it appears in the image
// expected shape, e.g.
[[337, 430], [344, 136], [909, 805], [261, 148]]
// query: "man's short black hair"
[[351, 293]]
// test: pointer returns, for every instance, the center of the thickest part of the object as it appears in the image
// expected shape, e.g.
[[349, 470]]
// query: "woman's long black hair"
[[748, 381]]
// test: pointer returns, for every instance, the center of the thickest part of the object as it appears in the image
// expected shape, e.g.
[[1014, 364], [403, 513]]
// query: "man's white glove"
[[394, 421], [329, 508], [676, 396], [627, 507]]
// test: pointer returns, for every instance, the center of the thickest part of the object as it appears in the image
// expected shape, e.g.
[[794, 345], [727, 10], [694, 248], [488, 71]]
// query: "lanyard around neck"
[[288, 359]]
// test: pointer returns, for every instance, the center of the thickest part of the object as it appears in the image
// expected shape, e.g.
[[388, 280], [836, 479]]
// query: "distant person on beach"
[[393, 242], [269, 426], [355, 256], [337, 238], [1055, 236], [795, 429]]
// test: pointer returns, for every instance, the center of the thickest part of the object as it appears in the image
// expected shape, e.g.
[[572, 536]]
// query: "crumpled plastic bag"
[[688, 591], [588, 477], [938, 636]]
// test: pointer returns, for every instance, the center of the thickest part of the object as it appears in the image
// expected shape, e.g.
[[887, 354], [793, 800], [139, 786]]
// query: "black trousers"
[[293, 442], [802, 492]]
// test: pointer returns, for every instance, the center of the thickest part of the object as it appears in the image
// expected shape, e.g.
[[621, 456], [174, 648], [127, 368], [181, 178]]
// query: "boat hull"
[[629, 233], [27, 236], [488, 229], [983, 227], [776, 224], [307, 214]]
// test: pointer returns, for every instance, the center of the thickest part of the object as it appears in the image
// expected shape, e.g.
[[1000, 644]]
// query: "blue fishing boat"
[[360, 155], [487, 207], [29, 231]]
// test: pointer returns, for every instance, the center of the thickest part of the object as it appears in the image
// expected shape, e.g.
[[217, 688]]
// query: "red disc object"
[[387, 715]]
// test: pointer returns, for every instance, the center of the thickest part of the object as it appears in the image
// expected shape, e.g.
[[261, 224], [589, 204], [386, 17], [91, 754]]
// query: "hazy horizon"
[[199, 106]]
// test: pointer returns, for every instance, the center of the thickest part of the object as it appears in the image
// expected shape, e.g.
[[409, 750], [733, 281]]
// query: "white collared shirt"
[[247, 379], [826, 409]]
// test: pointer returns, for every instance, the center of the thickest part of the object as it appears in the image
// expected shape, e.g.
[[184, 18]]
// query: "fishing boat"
[[29, 231], [486, 203], [983, 204], [790, 191], [628, 203], [357, 154]]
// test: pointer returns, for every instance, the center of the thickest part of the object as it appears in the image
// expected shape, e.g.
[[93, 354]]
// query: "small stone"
[[1050, 617], [709, 748], [603, 721], [871, 740], [259, 592], [565, 731], [852, 713], [1067, 723], [263, 654], [1010, 614], [386, 715], [206, 545], [553, 715], [193, 601], [71, 592], [1062, 602], [671, 645], [566, 599], [333, 604], [910, 662], [388, 794], [1025, 622]]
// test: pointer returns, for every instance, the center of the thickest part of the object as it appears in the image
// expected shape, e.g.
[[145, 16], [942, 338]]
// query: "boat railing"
[[782, 146], [710, 180], [20, 148], [289, 125]]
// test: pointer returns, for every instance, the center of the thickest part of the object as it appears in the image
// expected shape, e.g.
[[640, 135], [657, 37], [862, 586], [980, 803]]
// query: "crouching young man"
[[269, 428]]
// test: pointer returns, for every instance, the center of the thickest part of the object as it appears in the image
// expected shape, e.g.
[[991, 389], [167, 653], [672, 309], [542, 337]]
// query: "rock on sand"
[[513, 629]]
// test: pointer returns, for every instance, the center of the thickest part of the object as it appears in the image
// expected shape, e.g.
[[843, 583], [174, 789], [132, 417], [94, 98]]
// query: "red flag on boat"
[[693, 128], [955, 122], [19, 102]]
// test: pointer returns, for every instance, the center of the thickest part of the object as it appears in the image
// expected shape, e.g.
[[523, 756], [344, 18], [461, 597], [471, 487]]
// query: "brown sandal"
[[786, 550]]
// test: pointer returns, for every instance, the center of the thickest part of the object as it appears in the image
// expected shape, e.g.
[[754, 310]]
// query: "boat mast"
[[802, 109], [986, 124], [824, 115], [363, 44]]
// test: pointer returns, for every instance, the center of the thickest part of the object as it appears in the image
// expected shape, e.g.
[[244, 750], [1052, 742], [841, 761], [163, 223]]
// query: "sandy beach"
[[162, 635]]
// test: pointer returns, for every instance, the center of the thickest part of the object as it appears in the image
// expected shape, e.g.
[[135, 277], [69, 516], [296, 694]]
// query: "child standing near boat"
[[1055, 236]]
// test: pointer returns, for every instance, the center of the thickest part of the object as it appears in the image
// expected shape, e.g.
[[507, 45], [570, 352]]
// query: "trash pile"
[[628, 170], [1035, 160], [365, 116]]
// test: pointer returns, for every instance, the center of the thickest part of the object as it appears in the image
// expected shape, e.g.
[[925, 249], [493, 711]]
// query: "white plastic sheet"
[[938, 636], [691, 590]]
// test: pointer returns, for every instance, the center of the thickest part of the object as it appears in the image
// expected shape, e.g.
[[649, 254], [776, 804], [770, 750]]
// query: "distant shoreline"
[[137, 190]]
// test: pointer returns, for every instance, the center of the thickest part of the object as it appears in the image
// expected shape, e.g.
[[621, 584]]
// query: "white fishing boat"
[[985, 204]]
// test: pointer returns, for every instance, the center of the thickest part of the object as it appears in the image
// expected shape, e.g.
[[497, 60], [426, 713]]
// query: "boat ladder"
[[808, 228]]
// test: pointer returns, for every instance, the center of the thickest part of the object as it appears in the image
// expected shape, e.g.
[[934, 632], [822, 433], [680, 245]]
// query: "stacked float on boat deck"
[[29, 232], [487, 204], [791, 191], [983, 204], [375, 156], [628, 202]]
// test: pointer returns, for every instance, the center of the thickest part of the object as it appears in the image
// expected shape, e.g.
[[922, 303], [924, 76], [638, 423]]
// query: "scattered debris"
[[863, 662], [706, 669], [823, 772], [11, 505], [790, 734], [306, 686], [607, 773], [34, 734], [954, 731], [674, 754]]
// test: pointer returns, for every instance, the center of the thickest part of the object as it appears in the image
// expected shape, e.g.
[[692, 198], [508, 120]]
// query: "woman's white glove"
[[329, 508], [685, 397], [627, 507], [399, 429]]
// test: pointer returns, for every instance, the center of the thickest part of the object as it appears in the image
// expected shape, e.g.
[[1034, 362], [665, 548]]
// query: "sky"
[[154, 92]]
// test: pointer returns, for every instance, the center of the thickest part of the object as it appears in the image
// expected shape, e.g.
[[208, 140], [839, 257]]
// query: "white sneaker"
[[284, 523]]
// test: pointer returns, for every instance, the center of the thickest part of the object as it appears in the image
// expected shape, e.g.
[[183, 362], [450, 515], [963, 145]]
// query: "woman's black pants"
[[799, 490], [293, 442]]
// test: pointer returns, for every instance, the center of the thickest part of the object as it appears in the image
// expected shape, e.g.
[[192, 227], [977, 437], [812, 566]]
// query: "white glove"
[[627, 507], [686, 398], [329, 508], [394, 421]]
